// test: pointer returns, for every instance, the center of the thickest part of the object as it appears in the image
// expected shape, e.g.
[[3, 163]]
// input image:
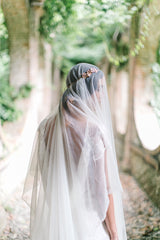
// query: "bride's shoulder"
[[50, 118], [45, 122]]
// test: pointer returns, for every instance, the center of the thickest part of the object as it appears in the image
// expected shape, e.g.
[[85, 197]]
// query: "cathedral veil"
[[73, 166]]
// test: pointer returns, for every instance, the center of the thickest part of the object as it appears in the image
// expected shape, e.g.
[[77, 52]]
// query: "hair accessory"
[[89, 72], [85, 75]]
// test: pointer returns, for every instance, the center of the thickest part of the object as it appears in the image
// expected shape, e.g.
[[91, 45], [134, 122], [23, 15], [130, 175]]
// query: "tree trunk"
[[112, 97], [22, 20], [34, 42], [56, 86], [47, 80], [16, 15], [134, 32]]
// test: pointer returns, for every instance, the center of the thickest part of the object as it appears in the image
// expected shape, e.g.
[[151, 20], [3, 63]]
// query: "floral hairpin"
[[89, 72], [84, 75]]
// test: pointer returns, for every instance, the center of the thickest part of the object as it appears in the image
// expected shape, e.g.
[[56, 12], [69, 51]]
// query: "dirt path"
[[18, 218], [142, 218]]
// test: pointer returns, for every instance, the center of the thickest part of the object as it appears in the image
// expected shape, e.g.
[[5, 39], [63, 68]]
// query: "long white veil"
[[73, 165]]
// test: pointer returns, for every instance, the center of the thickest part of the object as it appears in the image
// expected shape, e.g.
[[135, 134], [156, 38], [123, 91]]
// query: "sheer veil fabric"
[[73, 166]]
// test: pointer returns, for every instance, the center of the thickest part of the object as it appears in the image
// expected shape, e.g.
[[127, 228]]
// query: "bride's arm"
[[110, 219], [110, 216], [99, 154]]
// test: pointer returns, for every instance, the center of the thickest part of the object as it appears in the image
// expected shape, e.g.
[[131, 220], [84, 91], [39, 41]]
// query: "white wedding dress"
[[73, 165]]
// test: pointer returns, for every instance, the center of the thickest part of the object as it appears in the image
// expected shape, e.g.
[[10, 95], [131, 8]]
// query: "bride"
[[72, 184]]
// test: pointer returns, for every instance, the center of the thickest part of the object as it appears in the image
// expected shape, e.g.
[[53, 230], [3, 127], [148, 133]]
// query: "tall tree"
[[16, 15], [22, 19]]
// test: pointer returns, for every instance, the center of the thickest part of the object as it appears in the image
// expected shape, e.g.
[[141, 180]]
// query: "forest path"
[[141, 216]]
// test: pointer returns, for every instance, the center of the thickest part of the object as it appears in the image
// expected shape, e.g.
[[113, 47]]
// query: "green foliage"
[[77, 45], [8, 95], [24, 90], [91, 30], [156, 83], [3, 33], [119, 21], [56, 13], [158, 53], [8, 109], [156, 86]]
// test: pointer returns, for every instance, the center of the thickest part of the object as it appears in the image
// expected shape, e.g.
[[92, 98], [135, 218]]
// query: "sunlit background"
[[40, 40]]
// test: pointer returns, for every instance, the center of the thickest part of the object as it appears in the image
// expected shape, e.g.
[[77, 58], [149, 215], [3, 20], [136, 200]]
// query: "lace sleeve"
[[99, 150]]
